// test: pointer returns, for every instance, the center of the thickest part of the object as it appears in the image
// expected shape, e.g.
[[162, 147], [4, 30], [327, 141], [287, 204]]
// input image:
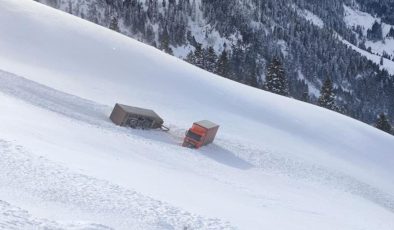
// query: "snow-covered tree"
[[276, 80], [114, 25], [165, 42], [391, 33], [210, 59], [383, 124], [376, 32], [327, 96], [305, 96], [190, 57], [203, 58], [222, 66], [199, 56]]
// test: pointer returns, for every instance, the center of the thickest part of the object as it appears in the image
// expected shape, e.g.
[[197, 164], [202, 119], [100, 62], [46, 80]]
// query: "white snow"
[[182, 51], [387, 64], [204, 33], [354, 18], [283, 47], [314, 19], [313, 90], [276, 164], [309, 16]]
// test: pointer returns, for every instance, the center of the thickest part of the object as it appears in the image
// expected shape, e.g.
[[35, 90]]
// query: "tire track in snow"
[[70, 106], [55, 101], [48, 182]]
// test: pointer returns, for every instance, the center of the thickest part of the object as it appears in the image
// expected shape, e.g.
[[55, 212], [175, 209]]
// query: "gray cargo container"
[[134, 117]]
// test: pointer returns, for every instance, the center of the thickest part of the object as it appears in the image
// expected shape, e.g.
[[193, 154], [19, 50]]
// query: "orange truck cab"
[[200, 134]]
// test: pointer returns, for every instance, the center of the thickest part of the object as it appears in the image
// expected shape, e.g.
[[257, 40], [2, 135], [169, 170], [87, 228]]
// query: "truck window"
[[193, 135]]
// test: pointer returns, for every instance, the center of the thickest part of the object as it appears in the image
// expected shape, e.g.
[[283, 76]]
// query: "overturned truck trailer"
[[134, 117]]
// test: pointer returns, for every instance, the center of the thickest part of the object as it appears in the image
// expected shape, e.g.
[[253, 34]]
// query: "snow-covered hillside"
[[354, 18], [276, 164]]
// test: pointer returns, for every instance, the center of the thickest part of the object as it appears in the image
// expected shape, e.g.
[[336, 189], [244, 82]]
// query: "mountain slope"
[[274, 158], [303, 34]]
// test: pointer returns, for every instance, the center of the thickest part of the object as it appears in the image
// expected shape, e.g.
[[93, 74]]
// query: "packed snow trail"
[[53, 100]]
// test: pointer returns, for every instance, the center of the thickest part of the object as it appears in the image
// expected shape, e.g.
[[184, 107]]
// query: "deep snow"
[[277, 163]]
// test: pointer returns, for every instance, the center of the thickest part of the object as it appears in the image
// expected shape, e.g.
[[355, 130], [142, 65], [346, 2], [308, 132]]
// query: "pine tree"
[[383, 124], [362, 45], [305, 96], [222, 66], [276, 80], [150, 34], [376, 32], [391, 33], [210, 58], [114, 25], [327, 96], [199, 56], [70, 8], [165, 42], [190, 57], [252, 76]]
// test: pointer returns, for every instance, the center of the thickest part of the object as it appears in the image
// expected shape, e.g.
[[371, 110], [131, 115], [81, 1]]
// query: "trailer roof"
[[140, 111], [206, 124]]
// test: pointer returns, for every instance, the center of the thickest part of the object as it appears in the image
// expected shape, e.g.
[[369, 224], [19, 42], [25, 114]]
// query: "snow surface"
[[354, 18], [276, 164], [314, 19], [309, 16], [313, 90], [387, 64]]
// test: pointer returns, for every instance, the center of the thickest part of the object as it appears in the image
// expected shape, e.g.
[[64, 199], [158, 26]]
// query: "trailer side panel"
[[210, 136], [118, 115]]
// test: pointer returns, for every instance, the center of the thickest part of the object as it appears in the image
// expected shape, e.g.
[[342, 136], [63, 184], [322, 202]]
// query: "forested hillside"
[[240, 39], [380, 8]]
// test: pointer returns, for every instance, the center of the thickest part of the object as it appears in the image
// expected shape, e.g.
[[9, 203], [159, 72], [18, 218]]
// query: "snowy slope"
[[64, 163], [354, 18], [309, 16], [387, 64]]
